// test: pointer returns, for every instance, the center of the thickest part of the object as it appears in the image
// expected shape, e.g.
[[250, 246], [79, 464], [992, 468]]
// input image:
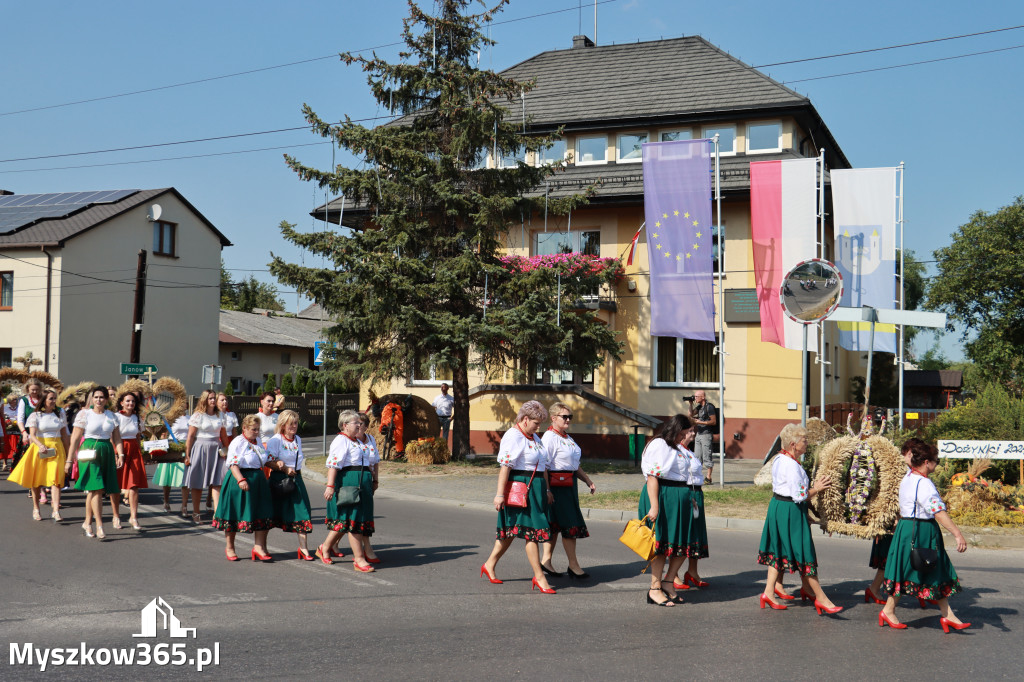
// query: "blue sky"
[[955, 123]]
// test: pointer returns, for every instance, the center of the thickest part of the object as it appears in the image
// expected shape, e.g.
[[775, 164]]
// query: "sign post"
[[318, 361], [212, 374]]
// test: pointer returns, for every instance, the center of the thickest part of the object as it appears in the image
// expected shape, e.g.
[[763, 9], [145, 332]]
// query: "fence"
[[837, 413], [310, 406]]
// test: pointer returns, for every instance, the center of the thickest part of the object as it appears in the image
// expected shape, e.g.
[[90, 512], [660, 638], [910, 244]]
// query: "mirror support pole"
[[803, 381]]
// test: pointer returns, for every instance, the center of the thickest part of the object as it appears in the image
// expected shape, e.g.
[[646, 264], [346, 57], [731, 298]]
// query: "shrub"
[[229, 389], [287, 387]]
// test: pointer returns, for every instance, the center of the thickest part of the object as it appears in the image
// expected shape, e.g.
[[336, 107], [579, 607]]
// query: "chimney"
[[581, 41]]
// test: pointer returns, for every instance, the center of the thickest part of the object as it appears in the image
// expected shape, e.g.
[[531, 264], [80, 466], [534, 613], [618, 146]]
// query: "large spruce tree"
[[424, 277]]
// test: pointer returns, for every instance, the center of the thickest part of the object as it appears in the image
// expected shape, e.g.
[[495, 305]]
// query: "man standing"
[[444, 405], [705, 416]]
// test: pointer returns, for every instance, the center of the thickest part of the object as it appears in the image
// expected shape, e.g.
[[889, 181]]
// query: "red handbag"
[[562, 479], [517, 491]]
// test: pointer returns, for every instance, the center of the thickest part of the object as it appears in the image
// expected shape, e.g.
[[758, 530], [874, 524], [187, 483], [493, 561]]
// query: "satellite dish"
[[811, 291], [154, 213]]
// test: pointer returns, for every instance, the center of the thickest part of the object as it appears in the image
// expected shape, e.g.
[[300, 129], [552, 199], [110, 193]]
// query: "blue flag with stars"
[[677, 208]]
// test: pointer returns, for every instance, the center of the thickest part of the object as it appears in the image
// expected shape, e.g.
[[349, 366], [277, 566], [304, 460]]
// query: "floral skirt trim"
[[297, 526], [528, 534], [697, 551], [243, 526], [670, 550], [910, 589], [783, 565], [574, 532], [348, 526]]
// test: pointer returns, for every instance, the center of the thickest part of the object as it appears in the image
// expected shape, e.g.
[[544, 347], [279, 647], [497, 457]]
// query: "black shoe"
[[667, 602], [676, 599], [576, 576], [548, 571]]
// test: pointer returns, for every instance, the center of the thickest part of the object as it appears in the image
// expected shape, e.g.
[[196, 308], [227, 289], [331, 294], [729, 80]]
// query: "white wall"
[[255, 361], [23, 328]]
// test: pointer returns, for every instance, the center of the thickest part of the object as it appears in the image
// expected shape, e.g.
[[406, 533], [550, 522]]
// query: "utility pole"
[[139, 311]]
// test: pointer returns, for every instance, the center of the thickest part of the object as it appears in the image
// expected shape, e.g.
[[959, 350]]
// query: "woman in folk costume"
[[132, 475], [96, 446], [245, 505], [11, 434], [28, 404], [202, 451], [43, 464], [292, 511], [172, 474]]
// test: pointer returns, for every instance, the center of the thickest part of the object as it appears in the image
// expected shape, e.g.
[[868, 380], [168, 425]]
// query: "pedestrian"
[[96, 446], [28, 404], [245, 506], [43, 463], [231, 429], [202, 451], [267, 417], [564, 514], [921, 512], [705, 417], [132, 475], [284, 458], [11, 434], [697, 529], [444, 406], [880, 545], [786, 542], [172, 474], [523, 460]]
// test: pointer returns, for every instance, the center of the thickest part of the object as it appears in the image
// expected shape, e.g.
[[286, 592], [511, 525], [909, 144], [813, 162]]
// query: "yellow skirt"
[[34, 471]]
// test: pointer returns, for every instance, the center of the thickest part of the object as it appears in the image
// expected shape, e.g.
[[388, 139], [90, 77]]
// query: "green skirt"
[[879, 551], [356, 518], [901, 578], [244, 511], [786, 542], [170, 474], [292, 512], [565, 516], [101, 472], [529, 522], [672, 527], [697, 540]]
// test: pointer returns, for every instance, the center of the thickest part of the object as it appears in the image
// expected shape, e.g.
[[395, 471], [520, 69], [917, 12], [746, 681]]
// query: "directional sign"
[[318, 351], [130, 369]]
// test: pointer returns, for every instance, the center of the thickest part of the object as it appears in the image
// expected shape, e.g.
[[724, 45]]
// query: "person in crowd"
[[367, 441], [96, 446], [202, 451], [268, 417], [879, 553], [665, 500], [292, 511], [697, 534], [245, 505], [705, 417], [444, 406], [28, 404], [132, 475], [11, 435], [231, 429], [172, 474], [43, 463], [786, 542], [564, 514], [921, 512], [351, 480], [523, 459]]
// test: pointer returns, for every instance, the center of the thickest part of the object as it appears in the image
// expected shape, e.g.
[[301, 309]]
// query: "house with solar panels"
[[68, 269]]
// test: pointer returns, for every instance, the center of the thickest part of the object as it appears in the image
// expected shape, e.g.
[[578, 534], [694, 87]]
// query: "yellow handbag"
[[639, 537]]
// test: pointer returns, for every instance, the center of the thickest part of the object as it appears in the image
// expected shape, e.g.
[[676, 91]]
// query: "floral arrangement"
[[862, 482], [573, 262], [427, 451]]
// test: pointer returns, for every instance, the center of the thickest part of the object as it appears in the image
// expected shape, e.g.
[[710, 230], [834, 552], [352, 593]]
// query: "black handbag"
[[923, 559], [284, 487]]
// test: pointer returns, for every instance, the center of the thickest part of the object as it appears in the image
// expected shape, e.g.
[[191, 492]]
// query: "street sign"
[[132, 369], [212, 374], [318, 352]]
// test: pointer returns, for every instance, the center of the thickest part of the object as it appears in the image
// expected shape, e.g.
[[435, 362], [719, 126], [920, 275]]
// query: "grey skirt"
[[206, 469]]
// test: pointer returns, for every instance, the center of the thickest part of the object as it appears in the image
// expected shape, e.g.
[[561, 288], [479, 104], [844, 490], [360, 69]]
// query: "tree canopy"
[[422, 278], [980, 286], [248, 294]]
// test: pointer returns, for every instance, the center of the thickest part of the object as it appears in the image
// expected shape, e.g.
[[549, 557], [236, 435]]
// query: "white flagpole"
[[903, 293], [822, 358], [721, 317]]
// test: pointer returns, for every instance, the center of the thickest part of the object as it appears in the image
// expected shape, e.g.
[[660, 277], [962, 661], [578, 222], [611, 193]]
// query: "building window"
[[835, 362], [717, 247], [554, 154], [512, 159], [286, 358], [5, 357], [726, 138], [429, 371], [236, 384], [236, 355], [675, 135], [6, 290], [164, 238], [684, 361], [591, 150], [630, 147], [764, 137], [573, 241], [543, 375]]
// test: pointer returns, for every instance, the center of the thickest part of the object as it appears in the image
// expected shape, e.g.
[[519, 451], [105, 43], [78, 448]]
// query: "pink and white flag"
[[783, 226]]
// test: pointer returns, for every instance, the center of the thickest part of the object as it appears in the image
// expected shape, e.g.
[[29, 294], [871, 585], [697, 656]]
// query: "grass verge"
[[747, 503]]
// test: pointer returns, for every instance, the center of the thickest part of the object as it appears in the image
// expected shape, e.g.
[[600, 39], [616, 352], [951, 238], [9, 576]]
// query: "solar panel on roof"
[[21, 210]]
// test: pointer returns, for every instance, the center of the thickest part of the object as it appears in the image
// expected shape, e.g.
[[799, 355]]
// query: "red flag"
[[632, 246]]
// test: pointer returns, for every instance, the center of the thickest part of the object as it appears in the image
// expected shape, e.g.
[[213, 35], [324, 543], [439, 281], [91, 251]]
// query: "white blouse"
[[346, 452], [789, 478], [289, 452], [180, 428], [10, 413], [371, 444], [695, 469], [129, 425], [98, 426], [563, 452], [929, 502], [207, 425], [661, 460], [22, 409], [47, 424], [230, 422], [268, 424], [245, 455], [516, 451]]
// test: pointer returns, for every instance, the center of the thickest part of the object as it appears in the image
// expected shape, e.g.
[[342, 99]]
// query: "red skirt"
[[133, 473], [10, 445]]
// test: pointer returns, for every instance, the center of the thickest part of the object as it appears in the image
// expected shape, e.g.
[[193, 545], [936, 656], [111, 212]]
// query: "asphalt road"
[[426, 614]]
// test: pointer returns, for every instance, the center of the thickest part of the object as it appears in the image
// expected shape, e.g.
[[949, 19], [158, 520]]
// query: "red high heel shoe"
[[536, 585], [485, 574], [947, 624], [375, 560], [363, 569], [678, 585], [229, 557], [337, 553], [782, 595], [323, 557], [766, 600], [819, 607], [304, 556], [870, 596], [693, 582], [883, 620], [924, 602], [806, 597], [256, 556]]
